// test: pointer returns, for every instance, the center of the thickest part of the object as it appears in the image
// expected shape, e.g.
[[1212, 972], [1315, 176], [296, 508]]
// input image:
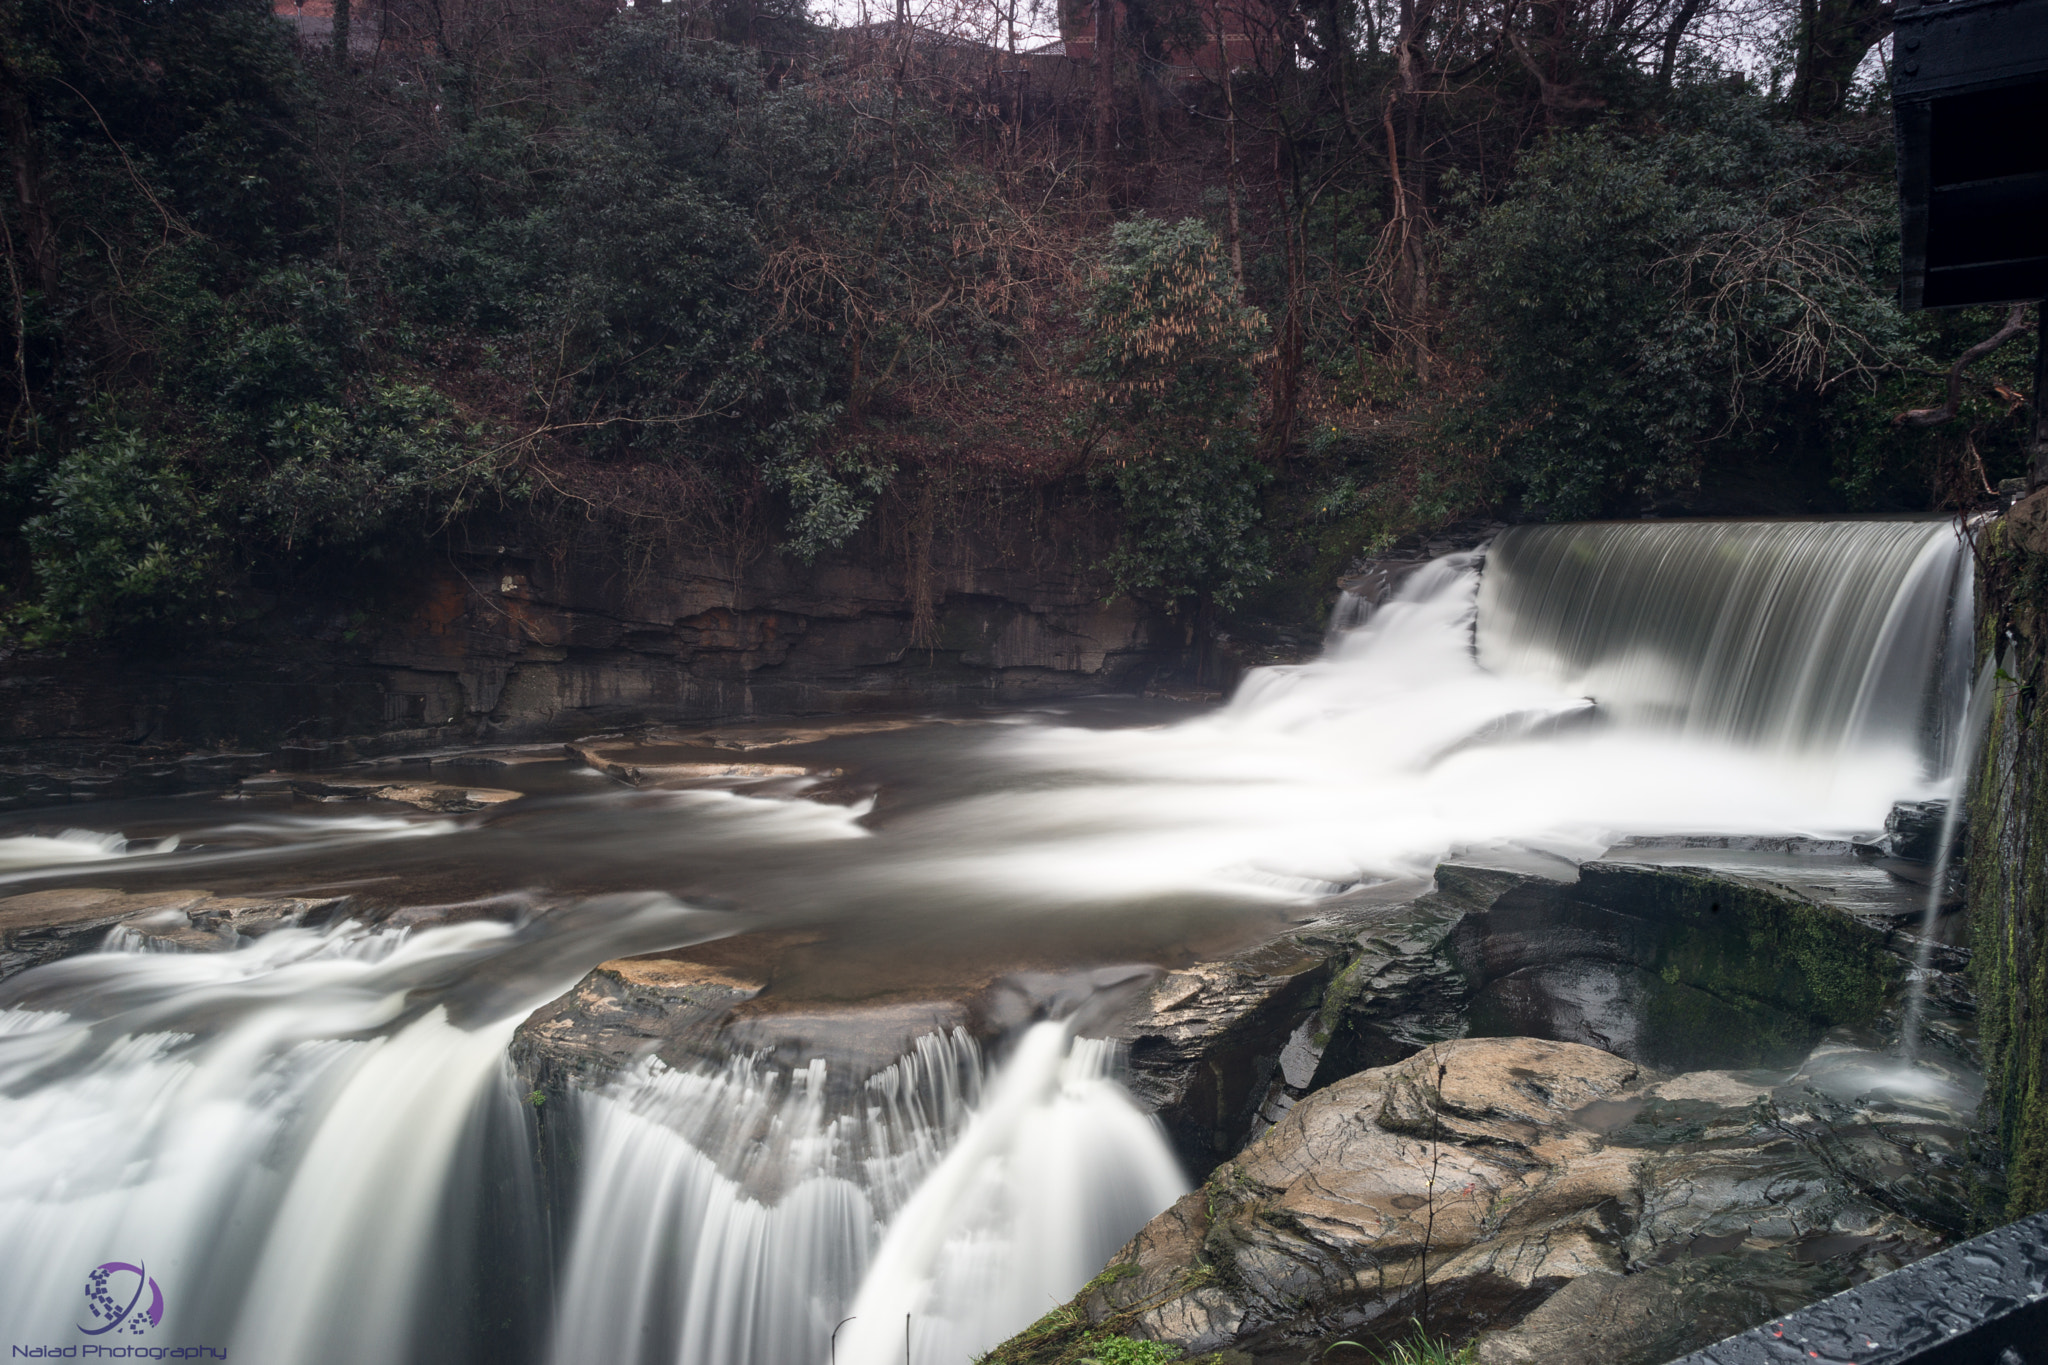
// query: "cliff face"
[[2008, 859], [516, 630]]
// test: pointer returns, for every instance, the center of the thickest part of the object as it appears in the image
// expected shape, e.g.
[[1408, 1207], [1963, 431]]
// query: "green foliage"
[[691, 266], [1170, 352], [1642, 302], [829, 498], [1130, 1351], [126, 540], [1419, 1349]]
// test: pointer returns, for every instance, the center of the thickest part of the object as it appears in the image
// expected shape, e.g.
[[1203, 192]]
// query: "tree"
[[1168, 359]]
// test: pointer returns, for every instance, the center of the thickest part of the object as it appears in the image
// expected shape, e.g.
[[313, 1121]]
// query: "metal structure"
[[1970, 101], [1980, 1302]]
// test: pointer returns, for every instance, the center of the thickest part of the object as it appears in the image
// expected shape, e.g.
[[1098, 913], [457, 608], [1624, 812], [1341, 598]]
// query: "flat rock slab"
[[665, 765], [746, 738], [440, 797], [630, 1007], [43, 926]]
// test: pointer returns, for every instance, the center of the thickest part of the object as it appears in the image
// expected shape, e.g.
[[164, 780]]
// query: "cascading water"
[[284, 1134], [1976, 712], [311, 1142], [732, 1216], [1820, 637]]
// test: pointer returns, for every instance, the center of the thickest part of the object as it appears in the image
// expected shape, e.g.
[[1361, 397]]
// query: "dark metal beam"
[[1980, 1302]]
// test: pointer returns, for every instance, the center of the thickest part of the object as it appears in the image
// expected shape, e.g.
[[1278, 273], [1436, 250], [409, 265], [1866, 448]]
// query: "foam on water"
[[297, 1132], [1428, 730], [72, 847]]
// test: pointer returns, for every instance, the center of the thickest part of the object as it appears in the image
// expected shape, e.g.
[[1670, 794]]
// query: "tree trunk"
[[340, 37], [1229, 148], [38, 229], [1667, 60], [1404, 172], [1105, 78], [1832, 40]]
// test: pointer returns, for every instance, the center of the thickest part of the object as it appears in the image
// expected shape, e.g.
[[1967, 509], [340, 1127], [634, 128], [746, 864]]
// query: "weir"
[[314, 1139], [1818, 637]]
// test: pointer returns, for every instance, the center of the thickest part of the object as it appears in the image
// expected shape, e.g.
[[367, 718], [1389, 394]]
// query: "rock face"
[[529, 630], [1206, 1042], [1501, 1171], [43, 926], [1674, 967], [2008, 882]]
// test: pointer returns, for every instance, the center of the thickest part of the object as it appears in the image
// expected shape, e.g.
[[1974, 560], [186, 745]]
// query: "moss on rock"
[[2008, 866]]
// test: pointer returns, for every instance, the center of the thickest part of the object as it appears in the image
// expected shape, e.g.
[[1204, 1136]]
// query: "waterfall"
[[732, 1217], [1800, 636], [310, 1142]]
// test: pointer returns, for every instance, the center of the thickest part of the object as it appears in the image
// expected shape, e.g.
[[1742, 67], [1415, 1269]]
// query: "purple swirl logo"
[[104, 1289]]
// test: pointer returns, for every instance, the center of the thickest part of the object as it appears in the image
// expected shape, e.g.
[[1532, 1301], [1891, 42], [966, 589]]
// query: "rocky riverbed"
[[1689, 1115], [1629, 1106]]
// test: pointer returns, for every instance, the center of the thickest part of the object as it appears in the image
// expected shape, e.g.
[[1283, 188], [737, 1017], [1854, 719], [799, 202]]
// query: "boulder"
[[1500, 1172], [1677, 967]]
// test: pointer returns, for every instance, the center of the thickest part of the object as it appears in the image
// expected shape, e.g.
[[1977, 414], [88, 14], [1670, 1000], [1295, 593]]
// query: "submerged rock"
[[43, 926]]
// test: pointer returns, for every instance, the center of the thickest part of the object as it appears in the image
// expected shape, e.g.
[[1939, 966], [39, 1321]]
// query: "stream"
[[312, 1143]]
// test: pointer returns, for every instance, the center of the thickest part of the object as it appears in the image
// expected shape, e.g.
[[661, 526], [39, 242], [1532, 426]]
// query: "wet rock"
[[1915, 828], [1860, 879], [1404, 989], [43, 926], [1662, 1212], [660, 765], [630, 1007], [1204, 1042], [2027, 523], [1676, 967], [1659, 1313], [1326, 1224], [439, 797]]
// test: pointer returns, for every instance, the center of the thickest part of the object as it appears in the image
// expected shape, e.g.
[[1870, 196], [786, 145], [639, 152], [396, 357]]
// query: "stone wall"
[[2008, 858], [514, 630]]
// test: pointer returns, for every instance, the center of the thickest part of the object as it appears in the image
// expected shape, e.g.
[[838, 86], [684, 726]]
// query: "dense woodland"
[[722, 270]]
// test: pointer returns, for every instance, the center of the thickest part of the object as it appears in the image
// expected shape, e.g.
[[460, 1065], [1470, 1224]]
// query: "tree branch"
[[2015, 323]]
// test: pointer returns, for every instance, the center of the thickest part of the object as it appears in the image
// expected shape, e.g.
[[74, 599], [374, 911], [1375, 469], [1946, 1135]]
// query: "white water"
[[281, 1133], [272, 1132], [1977, 711], [1813, 637], [734, 1216], [72, 846], [1407, 742]]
